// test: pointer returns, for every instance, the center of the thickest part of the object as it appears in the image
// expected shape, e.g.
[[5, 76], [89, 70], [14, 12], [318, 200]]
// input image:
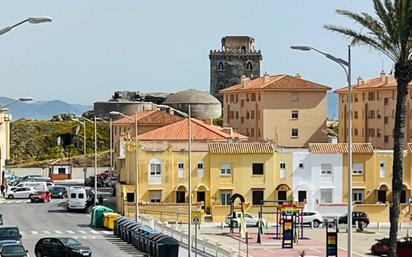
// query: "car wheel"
[[10, 196], [39, 254], [316, 223], [30, 196]]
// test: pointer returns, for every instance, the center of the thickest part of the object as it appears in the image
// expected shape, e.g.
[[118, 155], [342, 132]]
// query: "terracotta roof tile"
[[327, 148], [179, 131], [241, 148], [382, 82], [150, 117], [277, 82]]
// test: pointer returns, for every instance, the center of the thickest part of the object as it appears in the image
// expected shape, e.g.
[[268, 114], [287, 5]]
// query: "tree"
[[390, 32]]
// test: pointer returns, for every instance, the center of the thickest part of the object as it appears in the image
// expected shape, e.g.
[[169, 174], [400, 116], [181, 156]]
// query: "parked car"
[[1, 220], [79, 198], [111, 182], [13, 250], [21, 192], [29, 177], [104, 175], [58, 192], [61, 246], [381, 247], [10, 233], [40, 196], [50, 185], [312, 217], [357, 216], [40, 185], [249, 219]]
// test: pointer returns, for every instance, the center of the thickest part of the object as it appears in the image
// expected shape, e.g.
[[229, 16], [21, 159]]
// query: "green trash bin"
[[97, 216]]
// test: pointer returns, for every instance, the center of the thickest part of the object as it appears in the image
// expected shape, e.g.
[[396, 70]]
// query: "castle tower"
[[237, 57]]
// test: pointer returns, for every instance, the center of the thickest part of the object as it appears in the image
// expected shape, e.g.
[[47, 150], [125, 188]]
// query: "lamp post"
[[347, 67], [3, 109], [189, 211], [136, 156], [111, 144], [32, 20]]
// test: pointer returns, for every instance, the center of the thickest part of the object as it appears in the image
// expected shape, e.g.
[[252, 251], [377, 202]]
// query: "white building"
[[317, 179], [5, 119]]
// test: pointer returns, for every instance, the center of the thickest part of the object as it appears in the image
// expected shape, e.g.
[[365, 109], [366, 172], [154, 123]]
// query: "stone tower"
[[236, 58]]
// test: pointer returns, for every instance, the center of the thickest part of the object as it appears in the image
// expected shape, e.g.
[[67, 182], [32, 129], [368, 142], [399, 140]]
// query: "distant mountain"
[[333, 106], [42, 110]]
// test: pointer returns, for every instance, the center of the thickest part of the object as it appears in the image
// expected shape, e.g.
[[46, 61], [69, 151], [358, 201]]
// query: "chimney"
[[360, 80], [171, 111], [383, 75], [266, 78], [209, 121], [298, 76], [228, 130], [244, 81]]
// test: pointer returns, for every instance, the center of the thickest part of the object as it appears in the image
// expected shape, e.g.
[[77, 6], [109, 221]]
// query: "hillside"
[[38, 140]]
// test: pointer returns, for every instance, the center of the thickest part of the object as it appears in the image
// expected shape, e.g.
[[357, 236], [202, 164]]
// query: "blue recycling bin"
[[116, 229]]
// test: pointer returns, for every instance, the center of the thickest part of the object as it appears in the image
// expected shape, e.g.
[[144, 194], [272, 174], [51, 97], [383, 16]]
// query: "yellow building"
[[5, 119]]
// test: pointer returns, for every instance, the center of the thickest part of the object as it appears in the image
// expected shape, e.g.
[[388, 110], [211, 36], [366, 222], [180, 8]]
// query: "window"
[[301, 165], [181, 170], [257, 197], [249, 66], [282, 196], [200, 171], [326, 195], [358, 195], [231, 98], [301, 196], [252, 114], [81, 196], [356, 98], [382, 196], [357, 169], [371, 114], [403, 196], [326, 173], [257, 168], [247, 115], [155, 171], [253, 97], [180, 196], [130, 197], [61, 170], [282, 171], [155, 196], [225, 197], [378, 114], [237, 115], [295, 115], [295, 97], [355, 131], [295, 132], [378, 132], [386, 101], [247, 98], [252, 132], [220, 66], [72, 195], [382, 169], [386, 119], [242, 102], [355, 115], [371, 96], [226, 169], [386, 139], [371, 132]]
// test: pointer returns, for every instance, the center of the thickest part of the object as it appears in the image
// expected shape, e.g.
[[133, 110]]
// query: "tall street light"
[[136, 156], [189, 211], [32, 20], [346, 65]]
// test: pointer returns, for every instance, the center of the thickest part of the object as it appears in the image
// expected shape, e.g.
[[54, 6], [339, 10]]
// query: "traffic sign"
[[198, 215], [195, 220]]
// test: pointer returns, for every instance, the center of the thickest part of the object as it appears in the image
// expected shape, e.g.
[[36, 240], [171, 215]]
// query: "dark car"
[[58, 192], [357, 216], [381, 247], [13, 250], [61, 246], [1, 219], [10, 233]]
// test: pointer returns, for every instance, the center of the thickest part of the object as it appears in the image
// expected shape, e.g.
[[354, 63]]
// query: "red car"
[[381, 247], [40, 197]]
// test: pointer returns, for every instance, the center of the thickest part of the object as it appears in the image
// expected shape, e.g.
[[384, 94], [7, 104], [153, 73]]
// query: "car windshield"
[[57, 189], [12, 249], [8, 232], [69, 241]]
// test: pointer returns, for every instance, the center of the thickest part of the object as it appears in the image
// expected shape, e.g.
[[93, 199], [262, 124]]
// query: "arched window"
[[249, 65], [155, 171], [220, 66]]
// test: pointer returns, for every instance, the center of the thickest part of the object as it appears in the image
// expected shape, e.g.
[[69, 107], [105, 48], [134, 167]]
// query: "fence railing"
[[205, 246]]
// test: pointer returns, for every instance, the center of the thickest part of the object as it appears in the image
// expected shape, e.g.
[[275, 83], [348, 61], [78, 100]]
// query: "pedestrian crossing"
[[77, 234], [14, 201]]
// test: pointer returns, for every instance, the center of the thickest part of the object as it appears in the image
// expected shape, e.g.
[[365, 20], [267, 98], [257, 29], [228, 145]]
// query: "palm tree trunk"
[[398, 148]]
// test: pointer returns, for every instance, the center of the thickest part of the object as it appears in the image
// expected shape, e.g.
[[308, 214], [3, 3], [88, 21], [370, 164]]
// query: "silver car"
[[249, 219]]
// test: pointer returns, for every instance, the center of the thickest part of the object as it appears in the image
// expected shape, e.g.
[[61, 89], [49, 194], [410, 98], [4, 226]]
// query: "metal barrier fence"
[[205, 246]]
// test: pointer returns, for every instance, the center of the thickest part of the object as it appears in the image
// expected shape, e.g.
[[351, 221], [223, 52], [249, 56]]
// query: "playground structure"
[[288, 219]]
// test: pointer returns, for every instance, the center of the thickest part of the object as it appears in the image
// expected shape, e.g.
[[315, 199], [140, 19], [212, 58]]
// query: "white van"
[[38, 186], [79, 198]]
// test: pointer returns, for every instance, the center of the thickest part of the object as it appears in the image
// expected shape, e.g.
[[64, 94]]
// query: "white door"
[[22, 193]]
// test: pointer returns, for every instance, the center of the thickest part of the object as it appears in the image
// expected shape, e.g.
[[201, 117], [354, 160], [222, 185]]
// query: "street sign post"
[[196, 222]]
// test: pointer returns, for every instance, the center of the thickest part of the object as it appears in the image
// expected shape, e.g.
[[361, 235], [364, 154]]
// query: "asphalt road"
[[38, 220]]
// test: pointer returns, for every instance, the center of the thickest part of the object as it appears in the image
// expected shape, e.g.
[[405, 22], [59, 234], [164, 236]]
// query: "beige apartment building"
[[373, 111], [287, 110], [5, 119]]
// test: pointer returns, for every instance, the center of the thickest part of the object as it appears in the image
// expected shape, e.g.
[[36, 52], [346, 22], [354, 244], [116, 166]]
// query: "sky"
[[93, 48]]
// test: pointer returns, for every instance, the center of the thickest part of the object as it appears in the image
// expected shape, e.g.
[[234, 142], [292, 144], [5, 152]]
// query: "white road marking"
[[84, 237], [58, 232], [70, 232], [47, 232], [35, 232], [107, 232], [95, 232]]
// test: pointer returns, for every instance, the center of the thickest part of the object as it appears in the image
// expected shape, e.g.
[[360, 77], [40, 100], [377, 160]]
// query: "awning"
[[201, 185], [179, 186], [283, 187], [382, 186]]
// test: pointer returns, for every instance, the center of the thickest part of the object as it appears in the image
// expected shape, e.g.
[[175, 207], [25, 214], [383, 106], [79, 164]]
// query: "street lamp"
[[346, 65], [189, 211], [32, 20], [136, 156]]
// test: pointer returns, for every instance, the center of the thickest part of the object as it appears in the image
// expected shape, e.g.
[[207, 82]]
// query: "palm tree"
[[390, 32]]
